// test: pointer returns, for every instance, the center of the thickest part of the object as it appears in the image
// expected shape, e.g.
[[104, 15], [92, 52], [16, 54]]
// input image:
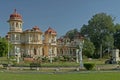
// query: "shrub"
[[56, 59], [35, 65], [118, 62], [89, 66], [45, 59]]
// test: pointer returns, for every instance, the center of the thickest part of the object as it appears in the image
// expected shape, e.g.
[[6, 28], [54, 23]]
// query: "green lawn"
[[60, 76], [54, 64]]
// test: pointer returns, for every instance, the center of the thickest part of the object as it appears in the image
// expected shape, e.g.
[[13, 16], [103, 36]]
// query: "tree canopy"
[[88, 48], [4, 47], [71, 34], [117, 36], [100, 30]]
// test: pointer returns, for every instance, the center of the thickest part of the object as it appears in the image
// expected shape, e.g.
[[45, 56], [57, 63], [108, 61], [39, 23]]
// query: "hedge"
[[89, 66]]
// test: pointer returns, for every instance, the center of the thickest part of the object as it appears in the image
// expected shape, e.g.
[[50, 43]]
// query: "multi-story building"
[[30, 42], [33, 42]]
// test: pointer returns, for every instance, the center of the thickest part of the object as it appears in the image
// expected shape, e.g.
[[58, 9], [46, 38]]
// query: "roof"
[[50, 31], [34, 29], [15, 16]]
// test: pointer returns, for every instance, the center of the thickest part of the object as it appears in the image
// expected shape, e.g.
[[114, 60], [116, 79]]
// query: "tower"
[[50, 48], [15, 22], [15, 31]]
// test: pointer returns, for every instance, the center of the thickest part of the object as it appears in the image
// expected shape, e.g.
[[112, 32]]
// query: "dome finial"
[[15, 10], [15, 16]]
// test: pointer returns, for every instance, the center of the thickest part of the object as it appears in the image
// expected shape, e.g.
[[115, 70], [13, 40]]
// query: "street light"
[[79, 41]]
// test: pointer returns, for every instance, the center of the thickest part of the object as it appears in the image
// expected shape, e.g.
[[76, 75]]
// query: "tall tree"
[[117, 36], [88, 48], [99, 30], [71, 33], [4, 47]]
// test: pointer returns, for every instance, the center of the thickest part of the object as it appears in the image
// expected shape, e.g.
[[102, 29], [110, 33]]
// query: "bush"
[[118, 62], [45, 59], [5, 65], [35, 65], [89, 66]]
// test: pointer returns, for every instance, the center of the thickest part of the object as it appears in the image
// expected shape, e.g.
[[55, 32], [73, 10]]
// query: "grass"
[[3, 60], [60, 76], [86, 75], [98, 63], [60, 64]]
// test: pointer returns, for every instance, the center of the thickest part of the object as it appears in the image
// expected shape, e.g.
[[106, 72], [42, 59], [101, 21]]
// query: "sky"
[[61, 15]]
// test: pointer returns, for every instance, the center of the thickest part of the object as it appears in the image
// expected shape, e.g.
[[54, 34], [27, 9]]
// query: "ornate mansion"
[[34, 42]]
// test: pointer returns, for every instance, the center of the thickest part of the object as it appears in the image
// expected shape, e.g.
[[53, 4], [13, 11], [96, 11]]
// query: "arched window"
[[12, 36], [34, 51], [17, 36], [20, 25], [13, 24], [17, 25]]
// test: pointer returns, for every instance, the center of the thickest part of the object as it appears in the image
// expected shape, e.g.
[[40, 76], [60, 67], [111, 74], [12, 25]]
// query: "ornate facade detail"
[[33, 42], [30, 42]]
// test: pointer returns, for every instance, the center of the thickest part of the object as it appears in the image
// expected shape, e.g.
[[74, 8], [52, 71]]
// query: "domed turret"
[[50, 37], [50, 31], [15, 22], [37, 29], [15, 16]]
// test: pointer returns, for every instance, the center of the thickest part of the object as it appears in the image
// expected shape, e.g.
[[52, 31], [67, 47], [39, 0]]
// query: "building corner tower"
[[50, 42], [15, 22]]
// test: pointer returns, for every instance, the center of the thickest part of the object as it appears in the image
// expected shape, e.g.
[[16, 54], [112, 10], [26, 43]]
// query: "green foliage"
[[115, 75], [71, 34], [56, 59], [88, 48], [60, 64], [100, 30], [45, 59], [3, 47], [65, 58], [118, 62], [62, 58], [117, 36], [89, 66], [35, 65]]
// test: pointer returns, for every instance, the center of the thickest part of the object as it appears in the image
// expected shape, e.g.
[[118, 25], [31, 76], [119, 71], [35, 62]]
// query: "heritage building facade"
[[30, 42], [33, 42]]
